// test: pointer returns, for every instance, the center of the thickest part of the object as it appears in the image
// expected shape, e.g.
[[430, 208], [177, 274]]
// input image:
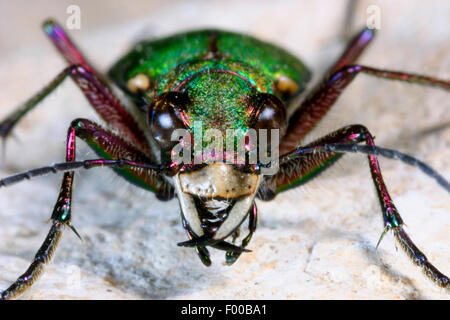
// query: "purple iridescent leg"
[[95, 90], [304, 163], [111, 147], [65, 46], [354, 49], [323, 97], [99, 96]]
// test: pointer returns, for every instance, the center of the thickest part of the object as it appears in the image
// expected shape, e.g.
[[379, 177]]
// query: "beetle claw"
[[75, 231]]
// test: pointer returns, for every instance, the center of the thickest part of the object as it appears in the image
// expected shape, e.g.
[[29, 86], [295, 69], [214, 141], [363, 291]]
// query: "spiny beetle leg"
[[294, 169], [110, 146], [13, 118], [323, 97], [43, 256], [301, 169], [317, 104], [296, 130], [61, 217], [420, 259], [100, 98]]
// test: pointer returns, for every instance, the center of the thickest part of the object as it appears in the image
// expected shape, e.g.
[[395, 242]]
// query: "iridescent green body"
[[223, 81], [218, 69]]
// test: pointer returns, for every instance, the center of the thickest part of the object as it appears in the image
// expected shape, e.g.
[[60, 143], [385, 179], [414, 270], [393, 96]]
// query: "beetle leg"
[[232, 256], [44, 255], [300, 170], [99, 96], [297, 129], [64, 45], [323, 97], [297, 170], [110, 146], [112, 111], [354, 49]]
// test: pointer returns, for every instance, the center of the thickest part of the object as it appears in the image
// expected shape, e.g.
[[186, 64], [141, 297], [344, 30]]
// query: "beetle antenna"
[[372, 150], [75, 165]]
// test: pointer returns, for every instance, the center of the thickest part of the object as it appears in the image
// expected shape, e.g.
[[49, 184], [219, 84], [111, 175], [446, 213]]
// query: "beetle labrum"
[[221, 80]]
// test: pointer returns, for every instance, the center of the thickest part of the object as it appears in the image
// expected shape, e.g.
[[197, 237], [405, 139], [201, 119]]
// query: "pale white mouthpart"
[[216, 182], [214, 206]]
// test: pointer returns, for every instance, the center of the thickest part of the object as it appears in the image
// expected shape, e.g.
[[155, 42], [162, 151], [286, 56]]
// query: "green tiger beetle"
[[219, 80]]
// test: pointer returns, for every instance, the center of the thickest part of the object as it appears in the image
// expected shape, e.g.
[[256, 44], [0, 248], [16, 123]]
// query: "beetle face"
[[215, 195], [215, 199], [215, 100]]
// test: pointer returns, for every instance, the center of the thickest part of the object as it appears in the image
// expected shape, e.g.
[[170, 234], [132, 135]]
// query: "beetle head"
[[215, 195]]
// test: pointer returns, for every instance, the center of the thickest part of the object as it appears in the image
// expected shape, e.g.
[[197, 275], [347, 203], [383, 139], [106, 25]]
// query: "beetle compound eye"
[[139, 82], [166, 114], [269, 113]]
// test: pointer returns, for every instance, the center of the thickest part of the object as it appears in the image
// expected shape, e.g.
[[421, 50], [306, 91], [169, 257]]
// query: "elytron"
[[222, 80]]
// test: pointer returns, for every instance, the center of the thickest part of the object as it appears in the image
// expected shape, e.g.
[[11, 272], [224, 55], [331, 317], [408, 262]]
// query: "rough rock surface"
[[317, 242]]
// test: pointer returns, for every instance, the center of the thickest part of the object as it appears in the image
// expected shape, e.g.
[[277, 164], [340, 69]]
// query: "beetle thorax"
[[218, 99]]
